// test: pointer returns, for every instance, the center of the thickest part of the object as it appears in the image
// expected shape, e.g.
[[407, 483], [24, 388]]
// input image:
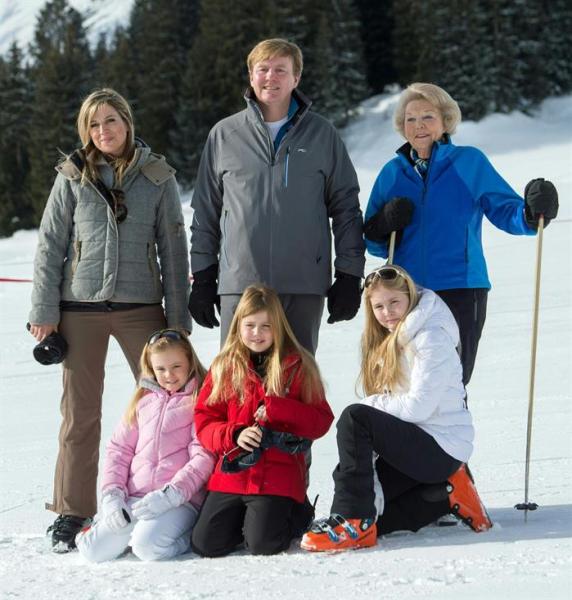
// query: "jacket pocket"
[[77, 256]]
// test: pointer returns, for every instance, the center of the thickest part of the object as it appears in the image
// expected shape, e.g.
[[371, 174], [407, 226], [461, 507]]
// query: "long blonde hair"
[[162, 344], [230, 369], [92, 155], [380, 349]]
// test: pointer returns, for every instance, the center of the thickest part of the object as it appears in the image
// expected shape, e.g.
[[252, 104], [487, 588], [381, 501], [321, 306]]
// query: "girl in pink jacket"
[[155, 468]]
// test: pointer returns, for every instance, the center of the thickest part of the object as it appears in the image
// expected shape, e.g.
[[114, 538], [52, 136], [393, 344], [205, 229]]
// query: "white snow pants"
[[155, 539]]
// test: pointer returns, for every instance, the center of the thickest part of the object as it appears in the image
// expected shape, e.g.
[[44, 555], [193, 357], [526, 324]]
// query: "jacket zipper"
[[156, 440], [77, 258], [286, 166], [425, 182]]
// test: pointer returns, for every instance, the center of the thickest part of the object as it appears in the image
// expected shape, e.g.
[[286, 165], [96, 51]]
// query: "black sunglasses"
[[119, 207], [385, 273], [171, 334]]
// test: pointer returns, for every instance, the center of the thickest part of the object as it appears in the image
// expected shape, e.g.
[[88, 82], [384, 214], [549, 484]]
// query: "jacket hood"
[[152, 165], [431, 312]]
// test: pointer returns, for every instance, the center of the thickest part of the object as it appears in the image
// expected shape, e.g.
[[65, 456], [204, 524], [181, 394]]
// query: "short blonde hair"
[[276, 47], [438, 97]]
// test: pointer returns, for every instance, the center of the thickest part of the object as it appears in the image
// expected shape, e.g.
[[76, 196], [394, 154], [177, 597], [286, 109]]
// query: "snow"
[[18, 18], [514, 560]]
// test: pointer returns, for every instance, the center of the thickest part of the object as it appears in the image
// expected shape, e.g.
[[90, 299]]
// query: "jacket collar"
[[150, 384]]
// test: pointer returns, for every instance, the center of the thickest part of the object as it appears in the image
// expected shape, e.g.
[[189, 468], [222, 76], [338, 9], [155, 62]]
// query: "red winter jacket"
[[276, 473]]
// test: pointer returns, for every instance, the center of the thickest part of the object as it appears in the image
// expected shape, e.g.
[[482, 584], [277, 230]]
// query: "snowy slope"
[[18, 18], [514, 560]]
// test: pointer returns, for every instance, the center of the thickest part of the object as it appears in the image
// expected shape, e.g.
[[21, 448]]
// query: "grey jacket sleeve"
[[342, 200], [207, 207], [53, 240], [173, 256]]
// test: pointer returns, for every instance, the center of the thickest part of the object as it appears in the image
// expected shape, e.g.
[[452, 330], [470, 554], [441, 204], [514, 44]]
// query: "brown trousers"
[[87, 334]]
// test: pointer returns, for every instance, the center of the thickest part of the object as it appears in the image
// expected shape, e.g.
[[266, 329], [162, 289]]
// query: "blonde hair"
[[268, 49], [96, 99], [380, 349], [230, 369], [196, 368], [438, 97]]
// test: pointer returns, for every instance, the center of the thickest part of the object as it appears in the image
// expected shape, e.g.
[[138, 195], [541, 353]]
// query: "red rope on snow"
[[14, 280]]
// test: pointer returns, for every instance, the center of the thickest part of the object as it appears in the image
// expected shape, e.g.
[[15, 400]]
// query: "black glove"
[[344, 297], [540, 198], [204, 297], [393, 216]]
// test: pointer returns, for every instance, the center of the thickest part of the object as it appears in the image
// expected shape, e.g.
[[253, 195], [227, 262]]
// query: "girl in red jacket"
[[261, 404]]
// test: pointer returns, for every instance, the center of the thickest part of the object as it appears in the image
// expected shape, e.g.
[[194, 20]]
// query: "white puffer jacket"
[[433, 396]]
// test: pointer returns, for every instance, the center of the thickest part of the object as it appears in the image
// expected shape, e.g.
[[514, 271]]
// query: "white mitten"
[[114, 509], [156, 503]]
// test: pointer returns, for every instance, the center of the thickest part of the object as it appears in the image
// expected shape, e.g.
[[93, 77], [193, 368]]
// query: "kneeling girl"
[[262, 400], [412, 433]]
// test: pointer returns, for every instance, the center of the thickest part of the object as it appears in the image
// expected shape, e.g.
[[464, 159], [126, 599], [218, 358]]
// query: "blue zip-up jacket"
[[442, 248]]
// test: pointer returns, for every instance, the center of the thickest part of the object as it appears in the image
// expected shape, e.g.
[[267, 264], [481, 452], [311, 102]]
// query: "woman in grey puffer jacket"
[[111, 250]]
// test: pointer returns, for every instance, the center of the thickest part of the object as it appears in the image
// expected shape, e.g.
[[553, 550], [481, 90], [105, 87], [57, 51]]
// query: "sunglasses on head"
[[385, 273], [171, 334], [119, 207]]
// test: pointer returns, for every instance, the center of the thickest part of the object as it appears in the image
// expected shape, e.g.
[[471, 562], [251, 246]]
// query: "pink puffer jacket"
[[160, 448]]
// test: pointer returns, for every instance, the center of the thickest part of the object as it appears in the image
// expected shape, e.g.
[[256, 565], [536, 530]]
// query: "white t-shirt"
[[274, 126]]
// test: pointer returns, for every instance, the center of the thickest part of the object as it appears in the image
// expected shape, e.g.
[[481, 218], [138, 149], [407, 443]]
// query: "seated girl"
[[155, 469], [412, 433]]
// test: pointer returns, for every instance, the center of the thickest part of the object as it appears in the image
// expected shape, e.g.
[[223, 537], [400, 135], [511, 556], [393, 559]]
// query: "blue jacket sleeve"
[[503, 207]]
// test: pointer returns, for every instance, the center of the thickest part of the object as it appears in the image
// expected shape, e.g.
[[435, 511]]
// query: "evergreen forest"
[[182, 66]]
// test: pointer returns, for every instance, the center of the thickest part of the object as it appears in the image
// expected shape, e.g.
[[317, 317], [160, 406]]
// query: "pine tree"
[[60, 79], [377, 24], [161, 33], [16, 211], [216, 76], [459, 59]]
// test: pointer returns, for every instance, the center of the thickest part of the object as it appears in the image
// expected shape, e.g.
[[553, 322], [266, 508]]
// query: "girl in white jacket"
[[413, 422]]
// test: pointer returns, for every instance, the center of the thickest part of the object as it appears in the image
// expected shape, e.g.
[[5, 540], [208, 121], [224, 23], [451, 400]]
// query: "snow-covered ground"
[[514, 560], [18, 18]]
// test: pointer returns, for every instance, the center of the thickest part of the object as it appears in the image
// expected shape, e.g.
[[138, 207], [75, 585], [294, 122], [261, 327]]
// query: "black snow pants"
[[412, 468]]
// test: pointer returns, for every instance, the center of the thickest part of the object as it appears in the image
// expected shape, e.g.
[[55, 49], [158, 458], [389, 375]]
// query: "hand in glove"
[[541, 198], [204, 297], [344, 297], [395, 215], [114, 510], [158, 502]]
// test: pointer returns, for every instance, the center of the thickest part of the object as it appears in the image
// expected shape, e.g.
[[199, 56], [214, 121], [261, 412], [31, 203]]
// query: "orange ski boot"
[[465, 502], [336, 533]]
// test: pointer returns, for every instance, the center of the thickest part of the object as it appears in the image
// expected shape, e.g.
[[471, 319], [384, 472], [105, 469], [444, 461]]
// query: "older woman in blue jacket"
[[434, 195]]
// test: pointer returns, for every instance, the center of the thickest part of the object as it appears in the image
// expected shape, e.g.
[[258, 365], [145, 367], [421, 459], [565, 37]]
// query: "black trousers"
[[412, 468], [266, 524], [469, 307]]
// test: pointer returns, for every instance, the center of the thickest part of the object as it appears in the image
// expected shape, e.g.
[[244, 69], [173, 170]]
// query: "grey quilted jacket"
[[263, 215], [83, 255]]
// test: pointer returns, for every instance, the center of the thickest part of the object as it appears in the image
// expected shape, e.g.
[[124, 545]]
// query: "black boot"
[[63, 531]]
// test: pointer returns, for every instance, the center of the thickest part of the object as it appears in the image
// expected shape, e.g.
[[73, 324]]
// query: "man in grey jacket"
[[270, 179]]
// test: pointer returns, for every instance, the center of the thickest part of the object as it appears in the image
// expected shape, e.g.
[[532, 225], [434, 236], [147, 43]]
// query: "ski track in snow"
[[515, 560]]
